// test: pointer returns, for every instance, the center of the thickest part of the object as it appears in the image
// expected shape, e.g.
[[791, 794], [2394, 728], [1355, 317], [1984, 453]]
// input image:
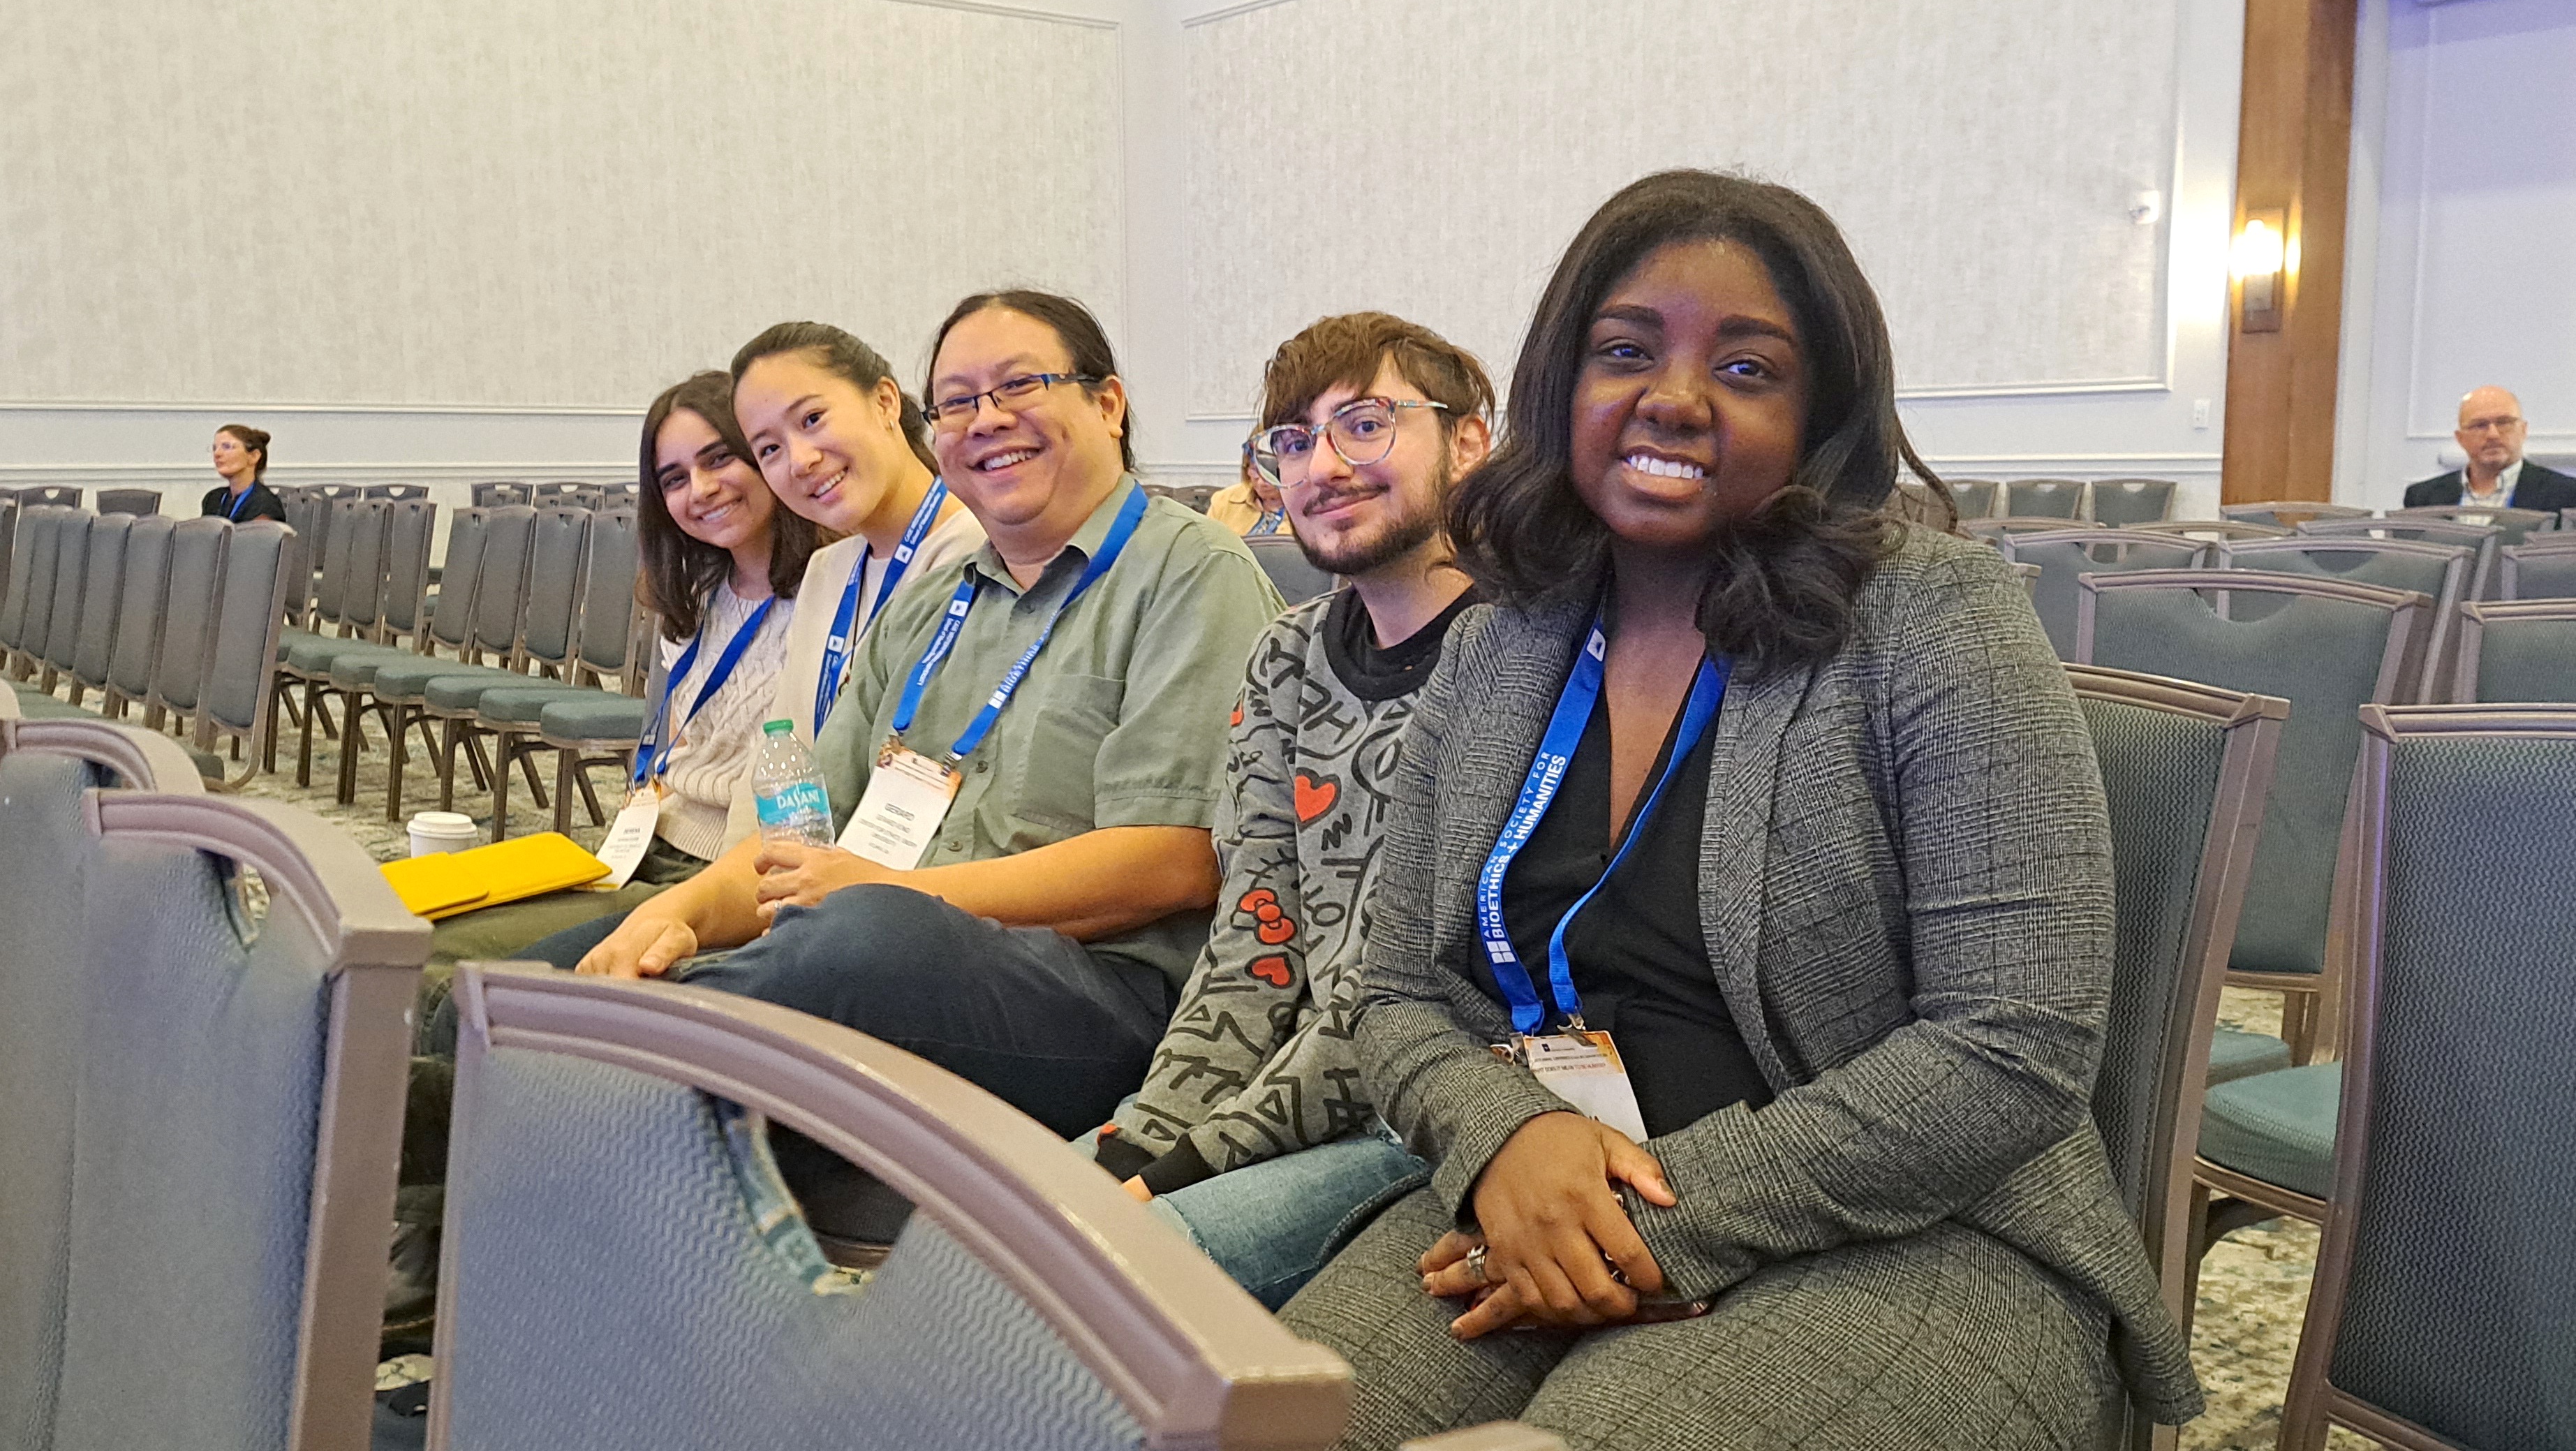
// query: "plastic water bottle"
[[787, 789]]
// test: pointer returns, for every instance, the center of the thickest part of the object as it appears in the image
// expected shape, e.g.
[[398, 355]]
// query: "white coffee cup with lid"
[[433, 832]]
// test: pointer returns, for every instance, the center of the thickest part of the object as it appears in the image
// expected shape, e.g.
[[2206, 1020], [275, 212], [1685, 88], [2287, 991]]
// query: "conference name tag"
[[630, 836], [907, 798], [1581, 1066]]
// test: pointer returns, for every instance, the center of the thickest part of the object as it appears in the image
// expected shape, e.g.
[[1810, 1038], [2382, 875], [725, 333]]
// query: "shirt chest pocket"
[[1050, 782]]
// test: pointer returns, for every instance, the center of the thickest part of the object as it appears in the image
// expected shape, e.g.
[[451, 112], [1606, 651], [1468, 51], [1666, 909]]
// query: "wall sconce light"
[[2257, 260]]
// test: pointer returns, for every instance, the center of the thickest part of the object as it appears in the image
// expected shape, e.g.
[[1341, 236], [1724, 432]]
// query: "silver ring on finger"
[[1476, 1262]]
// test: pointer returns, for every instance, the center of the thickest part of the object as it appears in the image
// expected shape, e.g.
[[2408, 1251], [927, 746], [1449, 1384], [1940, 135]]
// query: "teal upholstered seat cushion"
[[408, 677], [596, 717], [2277, 1127], [34, 704], [2234, 1055], [315, 655], [454, 691], [525, 704]]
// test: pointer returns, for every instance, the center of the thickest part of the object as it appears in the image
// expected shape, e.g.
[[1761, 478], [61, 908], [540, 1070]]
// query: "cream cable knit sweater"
[[715, 748]]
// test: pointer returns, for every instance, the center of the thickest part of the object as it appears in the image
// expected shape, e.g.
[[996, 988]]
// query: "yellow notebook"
[[449, 883]]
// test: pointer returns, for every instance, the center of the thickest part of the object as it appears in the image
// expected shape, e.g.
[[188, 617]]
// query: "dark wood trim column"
[[2293, 156]]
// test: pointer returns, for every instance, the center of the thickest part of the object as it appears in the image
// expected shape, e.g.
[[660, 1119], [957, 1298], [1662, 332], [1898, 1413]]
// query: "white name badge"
[[1581, 1066], [630, 836], [907, 798]]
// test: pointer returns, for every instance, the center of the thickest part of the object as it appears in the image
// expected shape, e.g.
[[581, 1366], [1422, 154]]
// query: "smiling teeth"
[[1664, 468], [1005, 460]]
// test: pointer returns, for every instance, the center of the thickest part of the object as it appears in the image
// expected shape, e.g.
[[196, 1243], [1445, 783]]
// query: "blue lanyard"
[[234, 513], [838, 649], [647, 766], [953, 619], [1547, 773], [1269, 523]]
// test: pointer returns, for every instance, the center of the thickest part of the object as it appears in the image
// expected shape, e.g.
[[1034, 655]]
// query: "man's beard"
[[1395, 539]]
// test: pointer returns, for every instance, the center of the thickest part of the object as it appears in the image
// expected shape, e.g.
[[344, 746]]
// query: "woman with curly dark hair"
[[1742, 963]]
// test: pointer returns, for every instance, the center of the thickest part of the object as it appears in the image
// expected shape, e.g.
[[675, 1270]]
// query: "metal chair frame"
[[2269, 511], [2483, 538], [2475, 616], [2433, 676]]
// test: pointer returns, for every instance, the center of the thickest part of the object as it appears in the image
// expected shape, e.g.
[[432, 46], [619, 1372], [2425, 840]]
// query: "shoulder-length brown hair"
[[1787, 575], [678, 574]]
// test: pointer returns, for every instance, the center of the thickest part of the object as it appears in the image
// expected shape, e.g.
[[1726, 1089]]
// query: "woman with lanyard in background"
[[1794, 802], [841, 444], [720, 564], [1252, 505], [241, 459]]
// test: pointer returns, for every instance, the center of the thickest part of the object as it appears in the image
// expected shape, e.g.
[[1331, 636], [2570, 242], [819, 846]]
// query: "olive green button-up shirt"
[[1121, 721]]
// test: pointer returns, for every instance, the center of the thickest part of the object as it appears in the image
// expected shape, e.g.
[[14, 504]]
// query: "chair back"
[[1975, 497], [30, 602], [323, 497], [362, 590], [2481, 537], [2044, 499], [594, 1180], [8, 567], [141, 607], [451, 617], [624, 494], [240, 1087], [71, 576], [2328, 647], [1991, 530], [2215, 529], [2067, 555], [410, 524], [2517, 524], [394, 491], [2440, 572], [2290, 513], [129, 501], [2517, 650], [194, 598], [2543, 569], [557, 495], [608, 604], [102, 594], [2125, 503], [2185, 771], [560, 544], [62, 495], [498, 492], [243, 662], [501, 584], [332, 546], [2439, 1314], [1296, 578]]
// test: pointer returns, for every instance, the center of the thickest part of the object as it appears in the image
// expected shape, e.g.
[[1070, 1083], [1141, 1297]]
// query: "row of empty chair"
[[2099, 501]]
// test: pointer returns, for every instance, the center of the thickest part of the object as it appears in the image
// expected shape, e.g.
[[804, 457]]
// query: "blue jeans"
[[1273, 1224]]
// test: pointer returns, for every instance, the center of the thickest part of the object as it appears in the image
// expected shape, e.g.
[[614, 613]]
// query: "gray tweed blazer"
[[1905, 884]]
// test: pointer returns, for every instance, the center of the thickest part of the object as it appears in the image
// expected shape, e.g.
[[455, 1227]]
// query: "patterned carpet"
[[2253, 1286]]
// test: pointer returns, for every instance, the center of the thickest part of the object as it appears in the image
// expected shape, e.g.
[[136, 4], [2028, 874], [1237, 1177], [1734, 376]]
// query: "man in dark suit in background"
[[2491, 430]]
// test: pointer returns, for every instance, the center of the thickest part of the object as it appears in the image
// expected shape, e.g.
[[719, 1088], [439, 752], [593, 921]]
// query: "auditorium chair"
[[1975, 497], [2328, 646], [2484, 538], [141, 614], [2214, 529], [239, 699], [496, 597], [2440, 572], [30, 606], [2067, 555], [8, 555], [2185, 770], [1295, 577], [54, 495], [129, 501], [2517, 650], [2289, 513], [2541, 569], [394, 491], [2440, 1316], [561, 494], [453, 622], [603, 646], [493, 495], [102, 592], [2028, 574], [2127, 503], [71, 575], [609, 1167], [549, 606], [224, 1069], [187, 626], [2517, 524], [348, 602], [2044, 499], [347, 669]]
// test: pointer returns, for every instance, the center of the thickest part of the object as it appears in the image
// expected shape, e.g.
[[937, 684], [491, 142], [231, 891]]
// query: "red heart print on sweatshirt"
[[1314, 797]]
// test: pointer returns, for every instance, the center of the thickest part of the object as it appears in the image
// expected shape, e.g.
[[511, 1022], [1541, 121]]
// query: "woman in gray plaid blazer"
[[1903, 1231]]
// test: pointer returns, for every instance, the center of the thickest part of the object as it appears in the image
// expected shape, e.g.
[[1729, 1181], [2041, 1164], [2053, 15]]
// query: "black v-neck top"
[[1639, 957]]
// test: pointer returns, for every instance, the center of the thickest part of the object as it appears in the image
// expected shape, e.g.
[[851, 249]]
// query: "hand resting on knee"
[[1559, 1248]]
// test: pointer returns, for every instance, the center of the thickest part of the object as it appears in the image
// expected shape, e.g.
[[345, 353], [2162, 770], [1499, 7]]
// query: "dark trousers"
[[1028, 1014]]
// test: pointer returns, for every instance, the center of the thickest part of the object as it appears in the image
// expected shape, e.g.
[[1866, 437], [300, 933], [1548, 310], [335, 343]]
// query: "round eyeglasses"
[[1362, 431]]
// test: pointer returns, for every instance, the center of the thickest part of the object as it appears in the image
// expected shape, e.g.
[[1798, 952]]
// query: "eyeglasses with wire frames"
[[1009, 395], [1362, 431]]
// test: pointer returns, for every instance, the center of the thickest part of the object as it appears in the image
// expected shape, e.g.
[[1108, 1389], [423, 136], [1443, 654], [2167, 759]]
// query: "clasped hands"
[[650, 943], [1559, 1247]]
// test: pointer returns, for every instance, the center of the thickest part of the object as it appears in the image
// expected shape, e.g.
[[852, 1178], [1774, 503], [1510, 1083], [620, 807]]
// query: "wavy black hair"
[[1787, 574]]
